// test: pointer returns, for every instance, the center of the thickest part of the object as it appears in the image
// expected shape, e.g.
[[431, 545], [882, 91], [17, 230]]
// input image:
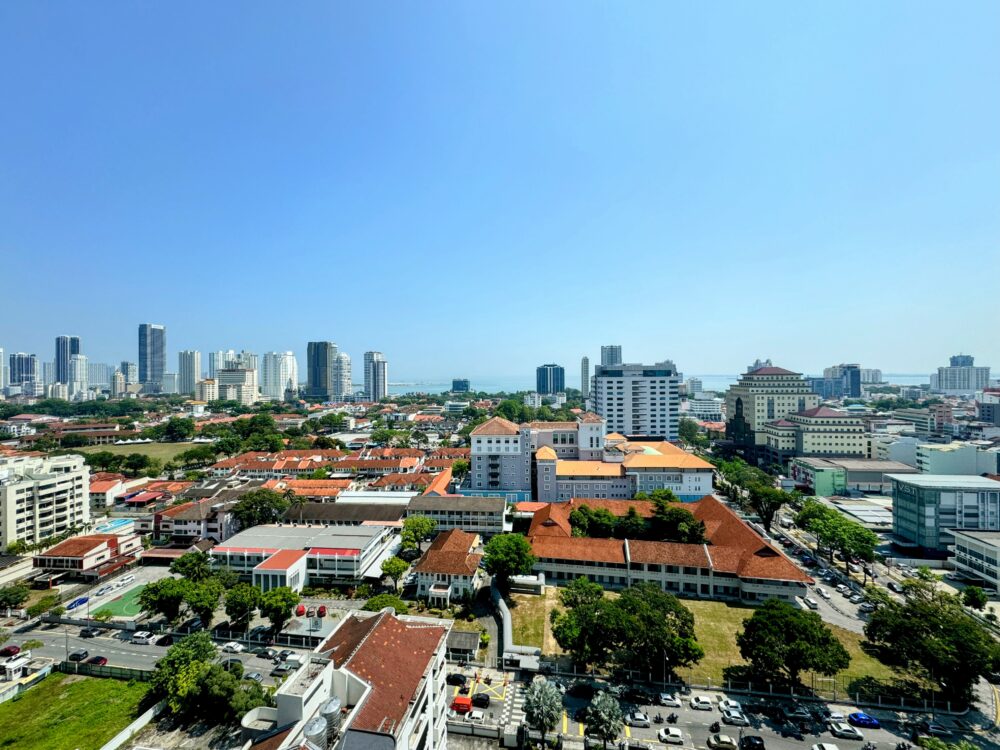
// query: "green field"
[[163, 451], [126, 605], [66, 712]]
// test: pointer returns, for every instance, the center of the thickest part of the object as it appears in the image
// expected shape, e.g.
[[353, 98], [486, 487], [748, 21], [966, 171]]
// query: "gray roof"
[[347, 512], [948, 481], [284, 536], [463, 640], [457, 502]]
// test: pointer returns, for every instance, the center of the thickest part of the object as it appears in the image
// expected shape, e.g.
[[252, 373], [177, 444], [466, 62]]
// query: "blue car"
[[860, 719], [77, 603]]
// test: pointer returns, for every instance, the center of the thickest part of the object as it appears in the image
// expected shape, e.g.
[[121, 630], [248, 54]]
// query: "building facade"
[[320, 356], [926, 508], [376, 376], [550, 379], [977, 556], [762, 395], [41, 497], [188, 371], [23, 369], [961, 377], [636, 399], [343, 387], [585, 377], [152, 356], [66, 347], [279, 372], [238, 384], [611, 355]]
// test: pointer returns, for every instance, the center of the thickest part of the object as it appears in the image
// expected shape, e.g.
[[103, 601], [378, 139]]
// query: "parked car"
[[751, 742], [233, 647], [824, 746], [143, 637], [165, 640], [867, 607], [727, 704], [321, 612], [735, 718], [481, 700], [455, 678], [791, 729], [857, 599], [475, 717], [797, 713], [845, 731], [78, 602], [721, 742], [311, 612], [104, 590], [823, 592], [266, 653], [89, 632], [255, 676], [99, 661], [895, 587], [669, 699], [637, 719], [861, 719], [929, 727], [281, 669], [79, 655], [7, 651], [124, 581], [671, 735], [300, 610], [701, 703]]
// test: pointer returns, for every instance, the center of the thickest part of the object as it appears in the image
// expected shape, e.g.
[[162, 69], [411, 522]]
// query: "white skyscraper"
[[376, 376], [188, 370], [585, 377], [611, 355], [78, 376], [342, 376], [217, 360], [279, 371], [639, 399]]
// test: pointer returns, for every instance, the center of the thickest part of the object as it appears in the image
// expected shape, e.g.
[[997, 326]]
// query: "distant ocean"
[[510, 385]]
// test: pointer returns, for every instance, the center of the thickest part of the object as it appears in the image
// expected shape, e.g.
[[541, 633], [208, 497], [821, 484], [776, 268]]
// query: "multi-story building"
[[815, 432], [152, 356], [636, 399], [871, 376], [763, 395], [987, 408], [977, 556], [449, 571], [188, 371], [91, 557], [693, 387], [359, 690], [118, 385], [238, 384], [279, 373], [849, 376], [342, 385], [611, 355], [219, 359], [23, 368], [923, 420], [376, 376], [99, 374], [41, 497], [958, 458], [130, 370], [961, 377], [57, 390], [705, 408], [3, 370], [926, 508], [550, 379], [79, 375], [320, 357], [206, 390], [585, 377], [461, 385], [480, 515], [66, 347]]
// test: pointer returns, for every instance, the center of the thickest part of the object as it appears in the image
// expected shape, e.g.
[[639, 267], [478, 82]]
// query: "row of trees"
[[131, 465], [835, 532], [691, 433], [753, 489], [21, 547], [670, 522]]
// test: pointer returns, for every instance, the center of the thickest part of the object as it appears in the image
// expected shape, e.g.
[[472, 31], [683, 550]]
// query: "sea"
[[717, 383]]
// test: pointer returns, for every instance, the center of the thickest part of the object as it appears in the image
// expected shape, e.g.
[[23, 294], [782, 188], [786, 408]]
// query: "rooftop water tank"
[[315, 733]]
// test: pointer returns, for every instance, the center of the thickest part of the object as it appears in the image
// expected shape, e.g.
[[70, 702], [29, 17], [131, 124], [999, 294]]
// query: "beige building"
[[815, 432], [206, 390], [764, 395], [41, 497]]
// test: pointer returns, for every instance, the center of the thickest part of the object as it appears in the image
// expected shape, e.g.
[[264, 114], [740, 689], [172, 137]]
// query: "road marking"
[[628, 731], [996, 705], [565, 722], [580, 728]]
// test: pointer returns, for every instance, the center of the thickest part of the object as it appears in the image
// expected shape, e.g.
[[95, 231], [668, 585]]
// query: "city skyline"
[[760, 208]]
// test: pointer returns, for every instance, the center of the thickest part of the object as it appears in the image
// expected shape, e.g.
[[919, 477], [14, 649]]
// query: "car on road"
[[265, 652], [861, 719], [284, 654], [721, 742], [124, 581], [701, 703], [735, 718], [791, 729], [321, 612], [455, 679], [727, 704], [89, 632], [255, 676], [7, 651], [845, 731], [76, 603], [104, 590], [99, 661], [671, 736], [232, 647], [143, 637], [481, 700], [751, 742], [867, 607], [824, 746], [79, 655], [281, 669], [669, 699], [929, 727], [637, 719], [856, 599], [895, 587]]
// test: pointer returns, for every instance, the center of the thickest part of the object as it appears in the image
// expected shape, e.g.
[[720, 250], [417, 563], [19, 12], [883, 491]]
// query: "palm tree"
[[294, 500], [605, 717], [542, 706]]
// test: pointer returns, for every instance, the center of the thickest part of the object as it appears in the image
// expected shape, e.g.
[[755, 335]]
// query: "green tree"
[[258, 507], [584, 629], [164, 597], [631, 526], [73, 440], [14, 595], [194, 566], [295, 501], [507, 555], [242, 600], [460, 469], [178, 429], [382, 437], [416, 529], [381, 601], [671, 522], [394, 568], [656, 631], [542, 706], [203, 599], [765, 500], [173, 675], [780, 641], [691, 433], [605, 718], [975, 597], [229, 445], [276, 605]]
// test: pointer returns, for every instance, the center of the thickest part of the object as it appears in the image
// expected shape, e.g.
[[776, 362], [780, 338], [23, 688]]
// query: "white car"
[[721, 742], [143, 637], [824, 746], [234, 648], [823, 592], [736, 718], [845, 731], [637, 719], [725, 704], [475, 717], [669, 699], [103, 590], [701, 703], [671, 735], [124, 581]]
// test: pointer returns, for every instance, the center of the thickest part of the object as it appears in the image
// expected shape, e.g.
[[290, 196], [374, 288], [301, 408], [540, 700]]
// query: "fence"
[[96, 670], [132, 729]]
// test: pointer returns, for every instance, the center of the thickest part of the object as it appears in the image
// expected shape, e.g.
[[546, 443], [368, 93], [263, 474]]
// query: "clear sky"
[[475, 189]]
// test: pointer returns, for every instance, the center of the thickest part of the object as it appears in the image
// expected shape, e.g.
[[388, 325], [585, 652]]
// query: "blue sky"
[[475, 189]]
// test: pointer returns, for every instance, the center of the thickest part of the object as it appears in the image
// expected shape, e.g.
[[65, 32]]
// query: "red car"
[[300, 610], [98, 660], [10, 650], [322, 610]]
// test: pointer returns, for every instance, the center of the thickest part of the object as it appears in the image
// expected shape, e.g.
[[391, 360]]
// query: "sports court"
[[126, 605]]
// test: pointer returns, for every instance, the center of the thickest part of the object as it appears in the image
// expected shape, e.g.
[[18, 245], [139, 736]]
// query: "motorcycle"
[[672, 719], [716, 727], [658, 719]]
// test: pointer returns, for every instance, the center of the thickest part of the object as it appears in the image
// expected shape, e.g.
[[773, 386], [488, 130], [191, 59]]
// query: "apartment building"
[[928, 508], [188, 371], [449, 571], [480, 515], [961, 377], [958, 458], [636, 399], [279, 373], [238, 384], [705, 408], [42, 496], [762, 395], [376, 376]]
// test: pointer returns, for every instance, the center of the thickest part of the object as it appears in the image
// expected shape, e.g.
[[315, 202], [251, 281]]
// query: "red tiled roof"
[[553, 518], [579, 548], [103, 485], [78, 546], [403, 480], [496, 426], [450, 554], [439, 485], [282, 560], [772, 371], [823, 411]]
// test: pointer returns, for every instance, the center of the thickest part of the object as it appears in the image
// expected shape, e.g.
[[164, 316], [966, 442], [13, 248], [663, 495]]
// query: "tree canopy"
[[381, 601], [260, 506], [195, 566], [276, 605], [394, 568], [507, 555], [542, 706], [605, 718]]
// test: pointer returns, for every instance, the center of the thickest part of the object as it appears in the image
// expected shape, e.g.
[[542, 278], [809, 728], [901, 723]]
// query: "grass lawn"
[[530, 615], [65, 712], [163, 451], [126, 605]]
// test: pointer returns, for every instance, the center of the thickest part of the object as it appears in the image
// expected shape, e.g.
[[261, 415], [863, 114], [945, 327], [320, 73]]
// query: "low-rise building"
[[449, 571], [104, 488], [977, 556], [837, 476], [958, 458], [928, 508], [90, 557], [479, 515], [821, 431]]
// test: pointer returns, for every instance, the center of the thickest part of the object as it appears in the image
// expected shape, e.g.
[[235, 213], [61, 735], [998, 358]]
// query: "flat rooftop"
[[285, 536], [948, 481], [993, 537]]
